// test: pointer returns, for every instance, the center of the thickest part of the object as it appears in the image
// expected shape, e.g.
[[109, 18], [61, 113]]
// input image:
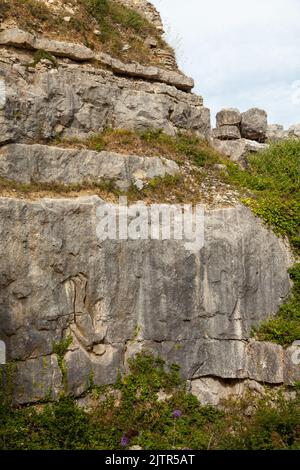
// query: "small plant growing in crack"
[[60, 349]]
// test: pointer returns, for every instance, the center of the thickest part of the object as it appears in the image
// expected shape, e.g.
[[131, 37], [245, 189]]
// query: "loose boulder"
[[254, 125], [229, 117]]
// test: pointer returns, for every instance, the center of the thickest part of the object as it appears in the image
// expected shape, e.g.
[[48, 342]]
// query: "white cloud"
[[241, 54]]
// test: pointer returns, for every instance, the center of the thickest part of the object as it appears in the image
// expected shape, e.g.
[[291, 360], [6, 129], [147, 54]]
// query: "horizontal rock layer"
[[213, 391], [115, 297], [78, 52], [45, 164], [78, 100], [227, 132]]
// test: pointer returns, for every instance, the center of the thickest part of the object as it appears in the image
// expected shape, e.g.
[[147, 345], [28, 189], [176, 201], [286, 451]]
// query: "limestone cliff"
[[109, 299]]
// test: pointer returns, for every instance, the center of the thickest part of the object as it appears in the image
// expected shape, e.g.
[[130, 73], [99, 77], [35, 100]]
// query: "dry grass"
[[200, 180], [36, 190], [192, 187], [118, 26], [182, 148]]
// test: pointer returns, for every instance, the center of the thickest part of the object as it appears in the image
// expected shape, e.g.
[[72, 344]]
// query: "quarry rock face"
[[21, 39], [75, 101], [113, 298], [74, 307], [44, 164], [147, 9]]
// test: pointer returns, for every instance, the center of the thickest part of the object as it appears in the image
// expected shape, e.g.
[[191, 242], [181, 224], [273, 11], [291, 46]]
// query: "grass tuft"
[[284, 329]]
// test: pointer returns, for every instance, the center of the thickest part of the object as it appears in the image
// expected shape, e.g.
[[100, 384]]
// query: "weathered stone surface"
[[224, 359], [76, 100], [294, 131], [265, 362], [229, 117], [276, 133], [84, 369], [254, 125], [2, 353], [18, 38], [227, 133], [114, 298], [45, 164], [292, 364], [238, 150], [33, 380], [57, 278], [146, 9], [176, 79], [64, 49], [212, 391], [78, 52], [258, 361]]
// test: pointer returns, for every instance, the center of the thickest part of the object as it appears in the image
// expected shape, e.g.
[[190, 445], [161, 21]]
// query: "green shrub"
[[59, 426], [139, 415], [274, 425], [40, 55], [273, 177], [282, 214], [133, 409], [284, 329]]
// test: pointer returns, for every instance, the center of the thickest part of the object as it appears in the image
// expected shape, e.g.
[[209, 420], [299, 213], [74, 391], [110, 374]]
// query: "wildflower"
[[176, 414], [125, 441]]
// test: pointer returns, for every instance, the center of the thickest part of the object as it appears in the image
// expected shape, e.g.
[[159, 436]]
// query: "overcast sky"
[[240, 53]]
